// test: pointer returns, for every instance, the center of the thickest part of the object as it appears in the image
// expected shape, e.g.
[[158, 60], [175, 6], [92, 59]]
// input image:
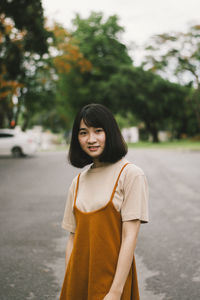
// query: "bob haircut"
[[97, 115]]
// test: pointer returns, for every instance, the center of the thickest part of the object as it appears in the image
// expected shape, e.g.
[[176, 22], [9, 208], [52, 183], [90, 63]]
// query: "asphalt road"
[[32, 243]]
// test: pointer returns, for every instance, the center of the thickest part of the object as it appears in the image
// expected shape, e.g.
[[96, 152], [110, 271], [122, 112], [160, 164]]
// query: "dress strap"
[[116, 183], [76, 191]]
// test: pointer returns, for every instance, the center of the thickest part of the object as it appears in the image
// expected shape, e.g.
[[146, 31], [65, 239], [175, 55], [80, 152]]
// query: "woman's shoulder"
[[132, 175], [81, 175], [132, 169], [135, 170], [74, 181], [73, 184]]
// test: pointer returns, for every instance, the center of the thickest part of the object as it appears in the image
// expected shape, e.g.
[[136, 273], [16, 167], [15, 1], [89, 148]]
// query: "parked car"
[[17, 143]]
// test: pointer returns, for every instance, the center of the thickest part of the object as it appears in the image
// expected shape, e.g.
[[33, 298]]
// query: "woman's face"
[[92, 140]]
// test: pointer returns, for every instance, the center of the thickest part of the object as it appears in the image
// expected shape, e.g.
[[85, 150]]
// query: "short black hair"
[[97, 115]]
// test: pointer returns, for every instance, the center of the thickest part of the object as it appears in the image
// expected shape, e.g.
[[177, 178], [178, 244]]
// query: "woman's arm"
[[69, 248], [130, 231]]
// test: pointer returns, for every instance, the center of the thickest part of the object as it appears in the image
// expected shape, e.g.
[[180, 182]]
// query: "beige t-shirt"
[[95, 189]]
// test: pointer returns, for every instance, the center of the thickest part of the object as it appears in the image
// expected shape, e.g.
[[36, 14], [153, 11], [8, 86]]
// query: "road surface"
[[32, 243]]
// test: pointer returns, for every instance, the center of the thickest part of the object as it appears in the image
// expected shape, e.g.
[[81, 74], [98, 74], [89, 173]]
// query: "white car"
[[17, 143]]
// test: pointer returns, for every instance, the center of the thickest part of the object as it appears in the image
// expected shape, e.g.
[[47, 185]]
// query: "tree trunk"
[[5, 113], [1, 119], [197, 105], [26, 121], [154, 133], [18, 111]]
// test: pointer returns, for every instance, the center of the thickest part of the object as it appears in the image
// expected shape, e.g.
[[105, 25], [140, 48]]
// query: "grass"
[[176, 145]]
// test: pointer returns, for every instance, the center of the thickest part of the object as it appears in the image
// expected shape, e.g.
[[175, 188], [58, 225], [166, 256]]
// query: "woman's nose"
[[91, 138]]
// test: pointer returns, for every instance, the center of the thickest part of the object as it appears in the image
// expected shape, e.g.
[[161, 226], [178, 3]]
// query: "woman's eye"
[[99, 130], [82, 132]]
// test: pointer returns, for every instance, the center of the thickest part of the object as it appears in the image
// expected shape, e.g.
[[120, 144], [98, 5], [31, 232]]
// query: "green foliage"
[[23, 40], [91, 64], [126, 120], [153, 100], [177, 55], [98, 40], [114, 82], [28, 16], [37, 98]]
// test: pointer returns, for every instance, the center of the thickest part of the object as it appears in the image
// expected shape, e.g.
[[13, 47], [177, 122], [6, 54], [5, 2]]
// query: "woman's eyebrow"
[[82, 128]]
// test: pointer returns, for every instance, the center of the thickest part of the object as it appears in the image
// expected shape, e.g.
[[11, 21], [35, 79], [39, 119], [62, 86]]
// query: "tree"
[[113, 81], [9, 84], [22, 34], [98, 40], [69, 55], [177, 56], [154, 101], [28, 18], [37, 97], [66, 59]]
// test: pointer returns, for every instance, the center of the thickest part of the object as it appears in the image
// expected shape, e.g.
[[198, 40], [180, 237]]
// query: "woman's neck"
[[97, 163]]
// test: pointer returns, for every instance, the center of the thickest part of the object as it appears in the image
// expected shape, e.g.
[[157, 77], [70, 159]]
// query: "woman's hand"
[[112, 296]]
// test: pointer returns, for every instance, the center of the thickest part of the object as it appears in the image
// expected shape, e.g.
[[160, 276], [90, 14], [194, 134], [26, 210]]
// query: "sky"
[[140, 18]]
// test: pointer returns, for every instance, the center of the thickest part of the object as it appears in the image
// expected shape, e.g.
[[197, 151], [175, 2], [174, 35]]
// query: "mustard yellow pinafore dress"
[[93, 261]]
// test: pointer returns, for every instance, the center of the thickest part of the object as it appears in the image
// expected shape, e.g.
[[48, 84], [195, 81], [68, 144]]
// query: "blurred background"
[[142, 60]]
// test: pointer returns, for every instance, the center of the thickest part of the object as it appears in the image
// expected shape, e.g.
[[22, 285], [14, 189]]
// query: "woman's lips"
[[93, 148]]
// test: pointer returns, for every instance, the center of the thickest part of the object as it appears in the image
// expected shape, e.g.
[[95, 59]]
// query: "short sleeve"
[[136, 194], [69, 222]]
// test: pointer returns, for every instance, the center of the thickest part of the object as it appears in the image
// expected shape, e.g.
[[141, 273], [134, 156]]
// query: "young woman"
[[106, 203]]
